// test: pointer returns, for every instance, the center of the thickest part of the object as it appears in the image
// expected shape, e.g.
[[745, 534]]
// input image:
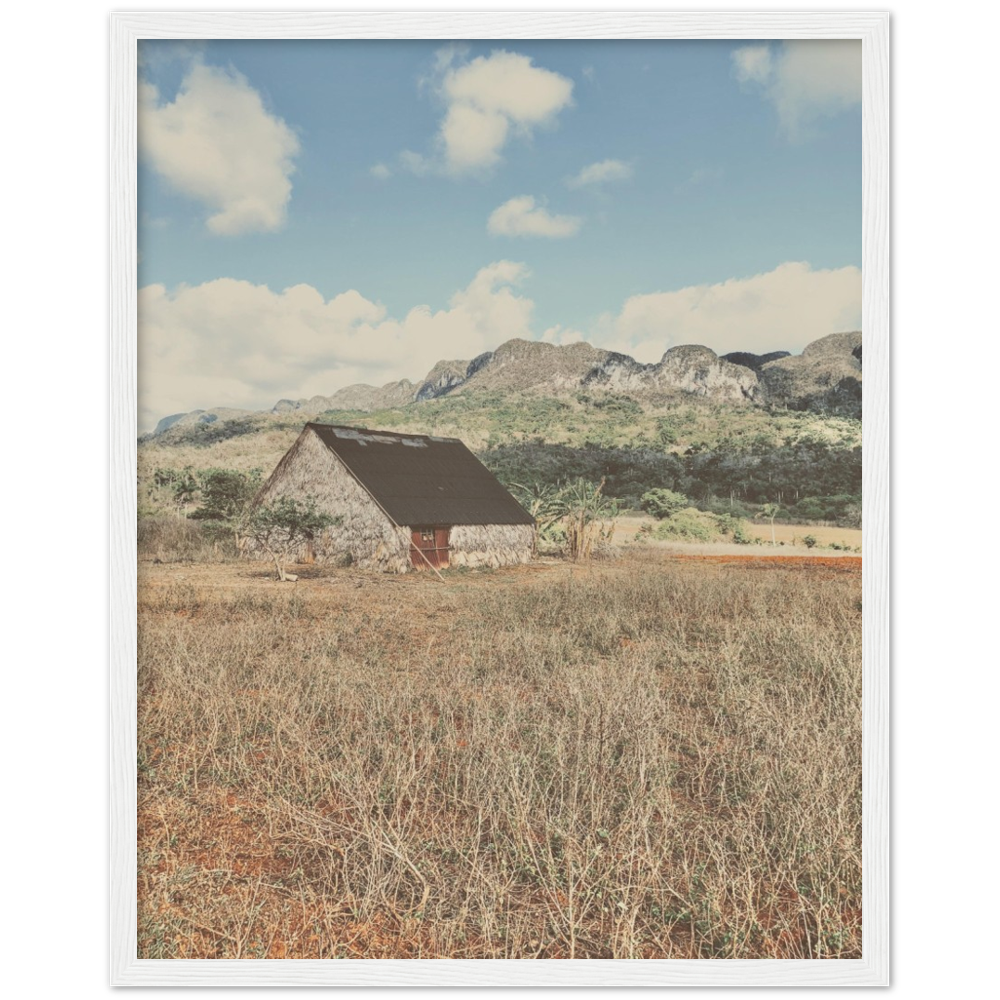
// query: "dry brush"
[[643, 758]]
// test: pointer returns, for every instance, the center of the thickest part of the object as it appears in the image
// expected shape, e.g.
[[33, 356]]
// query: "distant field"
[[786, 535], [792, 534], [647, 757]]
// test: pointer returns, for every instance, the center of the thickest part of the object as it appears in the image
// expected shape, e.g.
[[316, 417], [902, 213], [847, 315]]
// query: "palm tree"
[[542, 503], [586, 512]]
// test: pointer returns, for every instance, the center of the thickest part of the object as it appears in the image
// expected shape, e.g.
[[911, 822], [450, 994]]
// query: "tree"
[[542, 503], [664, 503], [282, 526], [852, 514], [225, 496], [770, 511], [180, 484], [225, 493], [589, 516]]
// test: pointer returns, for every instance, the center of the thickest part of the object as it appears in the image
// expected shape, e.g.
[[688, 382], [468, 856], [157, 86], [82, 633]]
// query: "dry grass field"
[[787, 536], [646, 757]]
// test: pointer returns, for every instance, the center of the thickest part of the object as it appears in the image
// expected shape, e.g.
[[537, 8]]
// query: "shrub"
[[729, 525], [225, 493], [171, 539], [664, 503], [690, 524], [726, 506], [282, 526], [589, 516], [644, 534], [666, 433], [551, 539]]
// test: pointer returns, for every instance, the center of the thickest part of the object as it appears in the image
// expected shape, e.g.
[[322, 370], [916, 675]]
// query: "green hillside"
[[722, 456]]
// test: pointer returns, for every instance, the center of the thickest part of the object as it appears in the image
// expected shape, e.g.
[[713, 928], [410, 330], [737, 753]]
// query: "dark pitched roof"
[[422, 480]]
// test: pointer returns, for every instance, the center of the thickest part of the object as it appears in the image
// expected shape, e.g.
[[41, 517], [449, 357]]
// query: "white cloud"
[[444, 58], [520, 217], [509, 84], [232, 343], [600, 173], [783, 309], [488, 100], [216, 143], [752, 63], [473, 137], [381, 171], [805, 80]]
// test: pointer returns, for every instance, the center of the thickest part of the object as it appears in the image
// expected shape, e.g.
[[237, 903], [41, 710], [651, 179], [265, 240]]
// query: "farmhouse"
[[402, 501]]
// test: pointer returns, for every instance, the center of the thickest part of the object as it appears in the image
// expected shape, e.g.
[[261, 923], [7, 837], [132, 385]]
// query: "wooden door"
[[430, 547]]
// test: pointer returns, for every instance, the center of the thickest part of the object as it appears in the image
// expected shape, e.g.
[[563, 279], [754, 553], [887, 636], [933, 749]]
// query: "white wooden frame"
[[873, 30]]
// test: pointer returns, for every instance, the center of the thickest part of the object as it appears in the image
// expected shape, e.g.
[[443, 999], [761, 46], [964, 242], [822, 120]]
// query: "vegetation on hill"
[[724, 459]]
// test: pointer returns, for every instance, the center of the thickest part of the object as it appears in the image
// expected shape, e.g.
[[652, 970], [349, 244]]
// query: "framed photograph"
[[487, 432]]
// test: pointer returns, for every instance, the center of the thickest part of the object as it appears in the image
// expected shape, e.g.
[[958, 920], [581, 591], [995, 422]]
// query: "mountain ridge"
[[826, 376]]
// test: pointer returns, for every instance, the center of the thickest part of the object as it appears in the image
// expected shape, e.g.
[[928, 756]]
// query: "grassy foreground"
[[644, 758]]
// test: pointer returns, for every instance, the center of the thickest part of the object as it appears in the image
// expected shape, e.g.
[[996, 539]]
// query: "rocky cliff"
[[825, 377]]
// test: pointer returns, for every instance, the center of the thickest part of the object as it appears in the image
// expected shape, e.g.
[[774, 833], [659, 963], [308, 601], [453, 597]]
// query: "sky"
[[314, 214]]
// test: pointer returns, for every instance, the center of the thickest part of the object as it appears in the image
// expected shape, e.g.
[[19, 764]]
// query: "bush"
[[729, 525], [644, 534], [842, 508], [172, 489], [664, 503], [809, 541], [210, 432], [169, 539], [225, 493], [214, 532], [622, 405], [666, 433], [588, 516], [725, 506], [690, 524], [551, 539], [809, 509]]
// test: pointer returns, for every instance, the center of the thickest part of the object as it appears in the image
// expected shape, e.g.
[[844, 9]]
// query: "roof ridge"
[[384, 433]]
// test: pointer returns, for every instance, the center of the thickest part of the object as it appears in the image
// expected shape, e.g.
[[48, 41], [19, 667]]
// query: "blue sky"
[[316, 213]]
